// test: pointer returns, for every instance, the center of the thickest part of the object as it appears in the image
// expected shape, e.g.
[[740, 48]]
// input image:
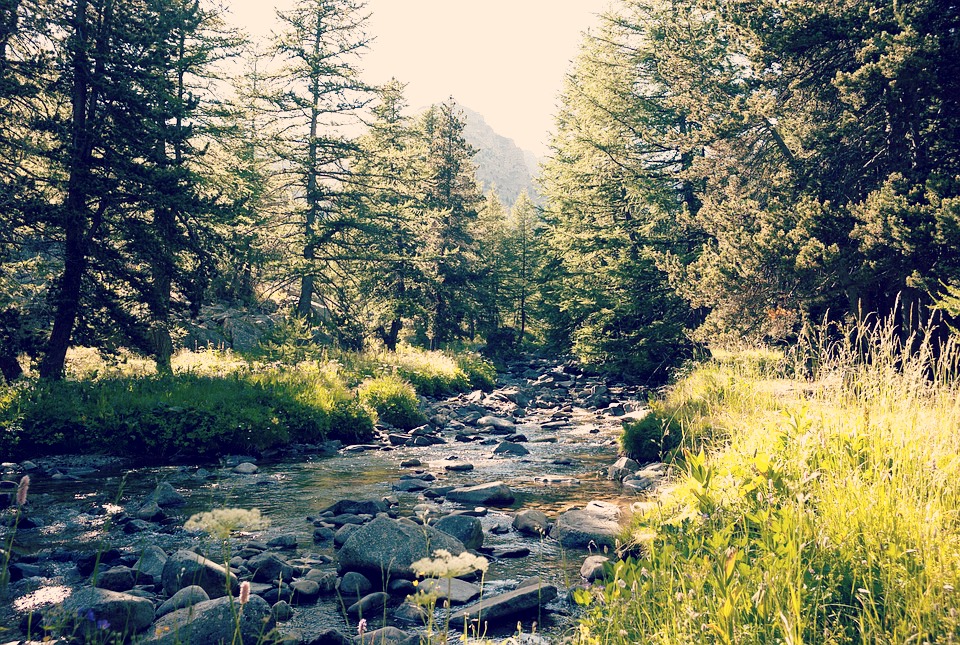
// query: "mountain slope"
[[500, 162]]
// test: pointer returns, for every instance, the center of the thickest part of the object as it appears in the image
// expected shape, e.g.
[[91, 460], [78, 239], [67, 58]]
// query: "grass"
[[810, 510], [215, 402]]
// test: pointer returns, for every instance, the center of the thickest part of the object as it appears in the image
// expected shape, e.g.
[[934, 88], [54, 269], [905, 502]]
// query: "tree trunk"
[[76, 214]]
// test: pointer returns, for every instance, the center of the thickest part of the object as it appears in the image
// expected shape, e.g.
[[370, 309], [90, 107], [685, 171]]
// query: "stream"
[[569, 424]]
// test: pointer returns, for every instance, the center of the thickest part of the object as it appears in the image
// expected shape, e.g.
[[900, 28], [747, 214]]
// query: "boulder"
[[151, 562], [269, 568], [505, 607], [164, 495], [185, 568], [510, 448], [370, 605], [531, 522], [497, 425], [123, 612], [386, 636], [246, 468], [214, 621], [357, 507], [597, 525], [491, 494], [592, 567], [354, 584], [463, 527], [621, 468], [117, 579], [305, 592], [385, 548], [186, 597]]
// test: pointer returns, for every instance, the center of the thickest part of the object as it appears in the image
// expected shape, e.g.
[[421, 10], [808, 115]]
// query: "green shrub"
[[480, 372], [394, 400], [431, 373], [650, 438]]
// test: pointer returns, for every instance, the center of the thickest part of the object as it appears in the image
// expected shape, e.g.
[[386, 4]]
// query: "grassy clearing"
[[821, 510], [214, 402]]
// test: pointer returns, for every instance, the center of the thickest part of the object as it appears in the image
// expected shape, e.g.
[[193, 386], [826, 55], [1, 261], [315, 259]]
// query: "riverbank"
[[815, 509]]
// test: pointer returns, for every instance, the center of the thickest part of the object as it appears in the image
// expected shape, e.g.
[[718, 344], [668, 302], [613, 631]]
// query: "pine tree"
[[450, 201], [319, 91]]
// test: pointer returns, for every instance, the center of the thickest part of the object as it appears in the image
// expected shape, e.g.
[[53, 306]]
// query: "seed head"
[[22, 490]]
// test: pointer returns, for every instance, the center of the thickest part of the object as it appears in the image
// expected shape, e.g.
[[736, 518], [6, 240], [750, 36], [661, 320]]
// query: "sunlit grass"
[[820, 510]]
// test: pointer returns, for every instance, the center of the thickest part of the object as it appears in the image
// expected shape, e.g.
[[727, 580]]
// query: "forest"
[[750, 210], [728, 170]]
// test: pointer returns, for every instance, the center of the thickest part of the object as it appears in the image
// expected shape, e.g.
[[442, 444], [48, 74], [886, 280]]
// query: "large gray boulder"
[[385, 548], [165, 495], [465, 528], [185, 568], [597, 525], [499, 609], [491, 494], [215, 622], [124, 613]]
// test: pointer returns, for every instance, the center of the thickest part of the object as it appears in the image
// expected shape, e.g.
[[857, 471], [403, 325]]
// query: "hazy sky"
[[503, 58]]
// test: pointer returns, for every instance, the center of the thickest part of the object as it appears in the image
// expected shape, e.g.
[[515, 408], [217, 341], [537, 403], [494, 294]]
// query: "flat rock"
[[490, 494], [496, 424], [505, 607], [597, 525], [458, 592]]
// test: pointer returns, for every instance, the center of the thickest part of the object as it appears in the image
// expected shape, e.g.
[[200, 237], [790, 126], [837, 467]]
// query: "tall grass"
[[811, 510]]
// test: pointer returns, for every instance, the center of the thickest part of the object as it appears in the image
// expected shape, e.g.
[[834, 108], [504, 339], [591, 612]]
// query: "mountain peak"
[[500, 162]]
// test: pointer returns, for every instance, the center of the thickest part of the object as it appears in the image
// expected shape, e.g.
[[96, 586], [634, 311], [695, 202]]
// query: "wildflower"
[[22, 490], [446, 565], [361, 627], [103, 624], [244, 592]]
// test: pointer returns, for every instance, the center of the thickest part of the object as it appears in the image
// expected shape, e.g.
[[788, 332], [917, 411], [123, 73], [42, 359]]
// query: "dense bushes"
[[218, 403], [651, 438], [394, 400]]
